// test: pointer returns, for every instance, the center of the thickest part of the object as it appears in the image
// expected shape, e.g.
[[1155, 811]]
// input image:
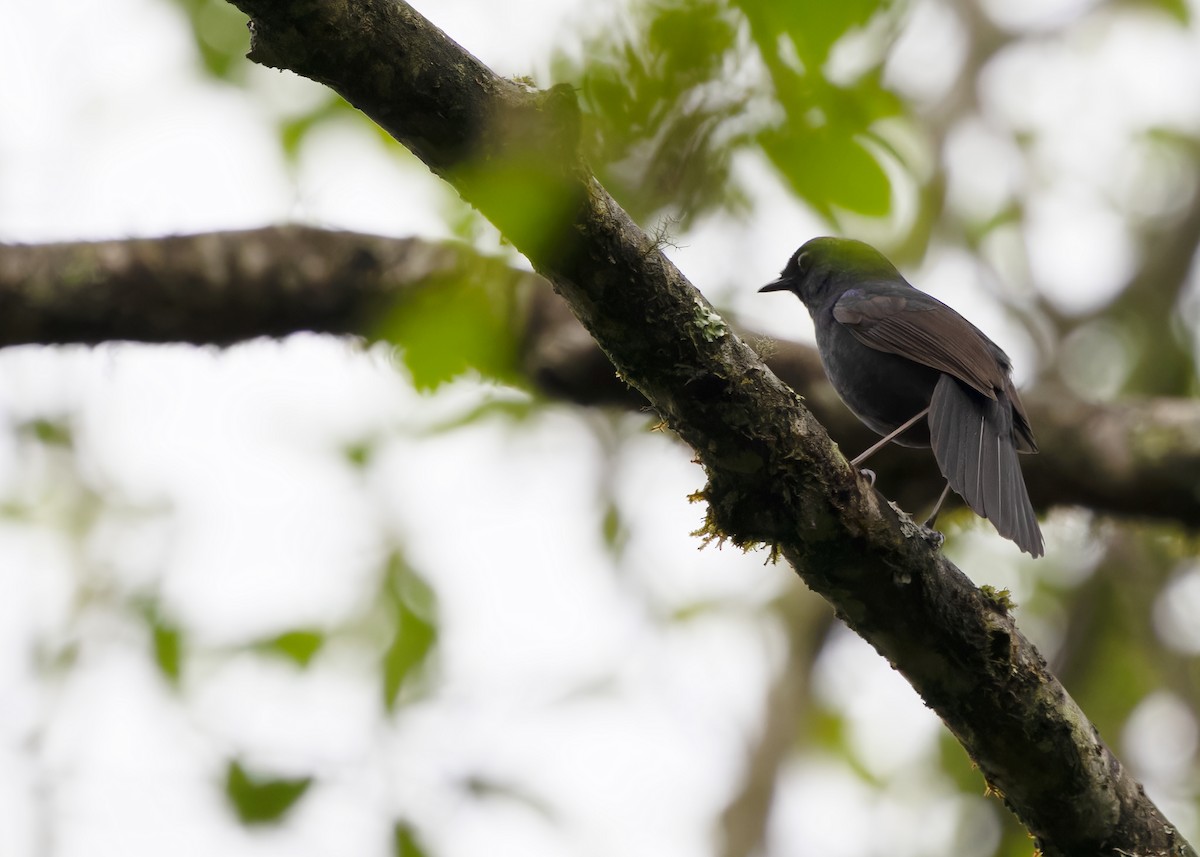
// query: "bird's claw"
[[932, 536], [870, 474], [911, 528]]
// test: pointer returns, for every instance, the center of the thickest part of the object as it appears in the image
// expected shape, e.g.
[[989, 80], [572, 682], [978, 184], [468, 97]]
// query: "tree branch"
[[1136, 458], [744, 821], [215, 288]]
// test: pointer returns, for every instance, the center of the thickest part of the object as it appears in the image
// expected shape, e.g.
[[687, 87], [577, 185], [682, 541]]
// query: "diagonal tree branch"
[[1136, 458]]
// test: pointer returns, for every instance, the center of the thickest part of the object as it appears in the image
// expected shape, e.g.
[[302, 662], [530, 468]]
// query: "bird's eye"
[[800, 260]]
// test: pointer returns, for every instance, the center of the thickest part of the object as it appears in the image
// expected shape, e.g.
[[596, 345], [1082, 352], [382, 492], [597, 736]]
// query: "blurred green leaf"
[[405, 842], [826, 729], [359, 454], [300, 647], [449, 325], [168, 651], [1177, 9], [167, 640], [413, 606], [220, 34], [262, 800], [410, 647], [50, 432], [613, 529], [830, 169]]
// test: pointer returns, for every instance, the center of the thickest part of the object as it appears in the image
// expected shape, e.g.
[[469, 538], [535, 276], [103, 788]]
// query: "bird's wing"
[[922, 329]]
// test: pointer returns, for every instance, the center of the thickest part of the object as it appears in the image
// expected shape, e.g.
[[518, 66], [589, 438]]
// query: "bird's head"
[[826, 267]]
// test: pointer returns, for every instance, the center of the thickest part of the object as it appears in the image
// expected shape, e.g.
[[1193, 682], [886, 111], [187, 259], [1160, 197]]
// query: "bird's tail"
[[973, 442]]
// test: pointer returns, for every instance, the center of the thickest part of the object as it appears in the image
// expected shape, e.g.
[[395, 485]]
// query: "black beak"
[[780, 285]]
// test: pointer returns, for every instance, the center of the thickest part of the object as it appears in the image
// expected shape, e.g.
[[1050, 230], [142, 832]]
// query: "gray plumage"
[[891, 351]]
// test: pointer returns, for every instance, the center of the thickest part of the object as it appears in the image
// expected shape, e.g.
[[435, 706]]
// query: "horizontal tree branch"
[[1136, 458]]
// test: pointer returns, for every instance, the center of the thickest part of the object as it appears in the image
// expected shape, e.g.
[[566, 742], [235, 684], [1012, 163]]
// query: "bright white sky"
[[226, 494]]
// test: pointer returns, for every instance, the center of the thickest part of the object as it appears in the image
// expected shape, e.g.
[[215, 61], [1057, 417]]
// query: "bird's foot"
[[870, 474], [933, 537], [911, 528]]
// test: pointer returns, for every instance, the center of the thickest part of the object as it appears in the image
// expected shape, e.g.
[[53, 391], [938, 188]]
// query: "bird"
[[916, 372]]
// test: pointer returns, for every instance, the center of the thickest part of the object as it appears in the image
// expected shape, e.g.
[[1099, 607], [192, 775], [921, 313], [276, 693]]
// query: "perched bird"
[[918, 373]]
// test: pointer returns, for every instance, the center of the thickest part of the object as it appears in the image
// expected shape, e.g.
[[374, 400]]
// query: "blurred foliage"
[[449, 325], [405, 842], [167, 640], [827, 145], [1127, 337], [50, 432], [1177, 9], [672, 99], [299, 647], [412, 605], [359, 454], [613, 528], [660, 126], [220, 35], [672, 95], [222, 40], [259, 799]]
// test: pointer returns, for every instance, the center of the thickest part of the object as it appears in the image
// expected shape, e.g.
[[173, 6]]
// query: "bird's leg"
[[937, 507], [888, 439]]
